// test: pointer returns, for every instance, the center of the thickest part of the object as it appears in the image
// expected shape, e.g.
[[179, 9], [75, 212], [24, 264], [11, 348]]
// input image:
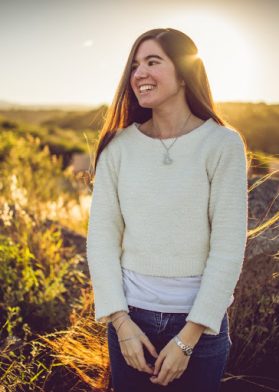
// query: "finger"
[[139, 359], [175, 376], [145, 367], [149, 346], [160, 379], [172, 375], [162, 376], [127, 360], [158, 363], [165, 377], [128, 357], [171, 381], [135, 358], [179, 375]]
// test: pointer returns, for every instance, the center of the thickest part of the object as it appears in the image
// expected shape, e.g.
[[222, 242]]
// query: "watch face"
[[189, 351]]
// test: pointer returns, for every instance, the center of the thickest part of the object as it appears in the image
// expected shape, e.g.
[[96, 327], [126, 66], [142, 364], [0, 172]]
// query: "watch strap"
[[186, 348]]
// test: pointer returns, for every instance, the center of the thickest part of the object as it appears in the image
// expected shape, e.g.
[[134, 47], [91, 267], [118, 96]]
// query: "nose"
[[140, 72]]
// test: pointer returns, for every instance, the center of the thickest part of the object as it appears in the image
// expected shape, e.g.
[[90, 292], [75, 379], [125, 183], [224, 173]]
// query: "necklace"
[[167, 159]]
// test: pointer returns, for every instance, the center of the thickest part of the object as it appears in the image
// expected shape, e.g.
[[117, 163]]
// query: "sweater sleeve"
[[104, 238], [228, 214]]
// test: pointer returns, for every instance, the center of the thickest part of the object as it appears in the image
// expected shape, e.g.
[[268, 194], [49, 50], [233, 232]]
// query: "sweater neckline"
[[184, 136]]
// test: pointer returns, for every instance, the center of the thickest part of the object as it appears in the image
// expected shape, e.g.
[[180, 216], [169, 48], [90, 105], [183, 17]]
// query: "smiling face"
[[153, 76]]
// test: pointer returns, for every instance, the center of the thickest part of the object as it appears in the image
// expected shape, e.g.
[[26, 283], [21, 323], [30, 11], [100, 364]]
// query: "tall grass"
[[49, 340], [40, 278]]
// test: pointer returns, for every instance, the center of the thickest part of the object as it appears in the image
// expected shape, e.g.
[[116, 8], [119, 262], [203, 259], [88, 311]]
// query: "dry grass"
[[83, 346]]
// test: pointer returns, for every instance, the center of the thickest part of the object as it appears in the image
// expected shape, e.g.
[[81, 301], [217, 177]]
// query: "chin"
[[148, 105]]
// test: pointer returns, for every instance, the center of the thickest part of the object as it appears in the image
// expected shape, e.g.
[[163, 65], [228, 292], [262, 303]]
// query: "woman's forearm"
[[191, 333]]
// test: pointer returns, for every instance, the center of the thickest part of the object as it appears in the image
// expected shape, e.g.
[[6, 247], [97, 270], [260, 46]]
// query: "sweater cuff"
[[212, 327], [104, 308], [210, 313]]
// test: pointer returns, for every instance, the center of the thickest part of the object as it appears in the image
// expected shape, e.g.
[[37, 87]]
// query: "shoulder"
[[226, 145], [122, 135], [111, 154], [222, 135], [223, 140]]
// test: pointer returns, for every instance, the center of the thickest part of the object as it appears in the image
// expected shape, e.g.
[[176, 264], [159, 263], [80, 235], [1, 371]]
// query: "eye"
[[150, 62]]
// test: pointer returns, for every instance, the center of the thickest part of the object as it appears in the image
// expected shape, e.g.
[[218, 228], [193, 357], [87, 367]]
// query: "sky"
[[74, 51]]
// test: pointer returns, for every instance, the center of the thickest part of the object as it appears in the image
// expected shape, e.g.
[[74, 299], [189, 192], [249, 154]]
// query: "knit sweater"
[[182, 219]]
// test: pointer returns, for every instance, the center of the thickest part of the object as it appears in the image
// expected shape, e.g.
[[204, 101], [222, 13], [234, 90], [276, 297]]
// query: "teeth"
[[146, 87]]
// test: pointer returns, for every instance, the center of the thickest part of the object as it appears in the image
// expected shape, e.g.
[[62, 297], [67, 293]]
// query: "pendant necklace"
[[167, 159]]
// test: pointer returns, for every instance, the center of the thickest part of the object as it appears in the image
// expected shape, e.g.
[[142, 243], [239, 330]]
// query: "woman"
[[168, 222]]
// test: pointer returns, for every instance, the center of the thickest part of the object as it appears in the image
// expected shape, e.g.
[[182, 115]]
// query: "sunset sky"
[[74, 51]]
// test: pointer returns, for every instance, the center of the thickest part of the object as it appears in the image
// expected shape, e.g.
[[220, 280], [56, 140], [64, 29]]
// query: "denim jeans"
[[205, 367]]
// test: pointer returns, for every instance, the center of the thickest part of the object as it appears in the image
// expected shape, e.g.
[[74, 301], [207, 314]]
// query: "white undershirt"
[[168, 295]]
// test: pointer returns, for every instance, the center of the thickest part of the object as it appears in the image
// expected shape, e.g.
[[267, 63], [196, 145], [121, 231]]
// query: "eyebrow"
[[150, 56]]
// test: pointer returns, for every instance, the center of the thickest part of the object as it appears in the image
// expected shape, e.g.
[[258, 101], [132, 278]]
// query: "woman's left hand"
[[171, 363]]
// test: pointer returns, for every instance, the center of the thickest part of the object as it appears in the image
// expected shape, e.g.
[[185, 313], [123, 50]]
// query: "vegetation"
[[48, 338]]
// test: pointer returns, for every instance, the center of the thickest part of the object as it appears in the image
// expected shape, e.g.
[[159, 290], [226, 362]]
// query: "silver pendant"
[[167, 159]]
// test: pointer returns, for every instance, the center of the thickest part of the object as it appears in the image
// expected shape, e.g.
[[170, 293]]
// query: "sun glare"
[[229, 55]]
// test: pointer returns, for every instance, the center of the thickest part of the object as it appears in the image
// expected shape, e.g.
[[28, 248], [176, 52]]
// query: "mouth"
[[146, 88]]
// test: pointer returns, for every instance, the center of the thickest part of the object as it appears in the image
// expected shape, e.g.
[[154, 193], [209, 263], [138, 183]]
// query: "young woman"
[[168, 222]]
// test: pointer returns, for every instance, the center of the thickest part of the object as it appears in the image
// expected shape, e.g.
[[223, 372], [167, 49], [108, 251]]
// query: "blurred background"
[[61, 62]]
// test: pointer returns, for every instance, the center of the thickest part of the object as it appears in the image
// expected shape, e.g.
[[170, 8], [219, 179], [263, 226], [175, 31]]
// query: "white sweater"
[[186, 218]]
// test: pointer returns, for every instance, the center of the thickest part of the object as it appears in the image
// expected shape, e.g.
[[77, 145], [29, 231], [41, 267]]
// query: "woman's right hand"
[[132, 349]]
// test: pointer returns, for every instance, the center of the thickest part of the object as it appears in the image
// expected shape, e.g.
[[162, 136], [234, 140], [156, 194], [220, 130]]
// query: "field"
[[48, 338]]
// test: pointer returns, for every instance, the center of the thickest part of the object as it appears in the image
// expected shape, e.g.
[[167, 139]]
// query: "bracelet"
[[121, 315], [132, 337], [125, 315], [186, 348], [122, 323]]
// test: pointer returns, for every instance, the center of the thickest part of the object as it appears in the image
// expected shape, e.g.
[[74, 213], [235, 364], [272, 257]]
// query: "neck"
[[171, 122]]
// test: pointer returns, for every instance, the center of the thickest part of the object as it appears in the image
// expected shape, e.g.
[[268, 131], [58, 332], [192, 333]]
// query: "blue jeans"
[[205, 368]]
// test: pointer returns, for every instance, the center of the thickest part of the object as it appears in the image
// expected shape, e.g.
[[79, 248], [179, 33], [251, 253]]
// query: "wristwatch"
[[187, 350]]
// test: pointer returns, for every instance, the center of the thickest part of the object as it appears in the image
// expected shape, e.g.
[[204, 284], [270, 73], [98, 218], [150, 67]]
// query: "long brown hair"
[[183, 52]]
